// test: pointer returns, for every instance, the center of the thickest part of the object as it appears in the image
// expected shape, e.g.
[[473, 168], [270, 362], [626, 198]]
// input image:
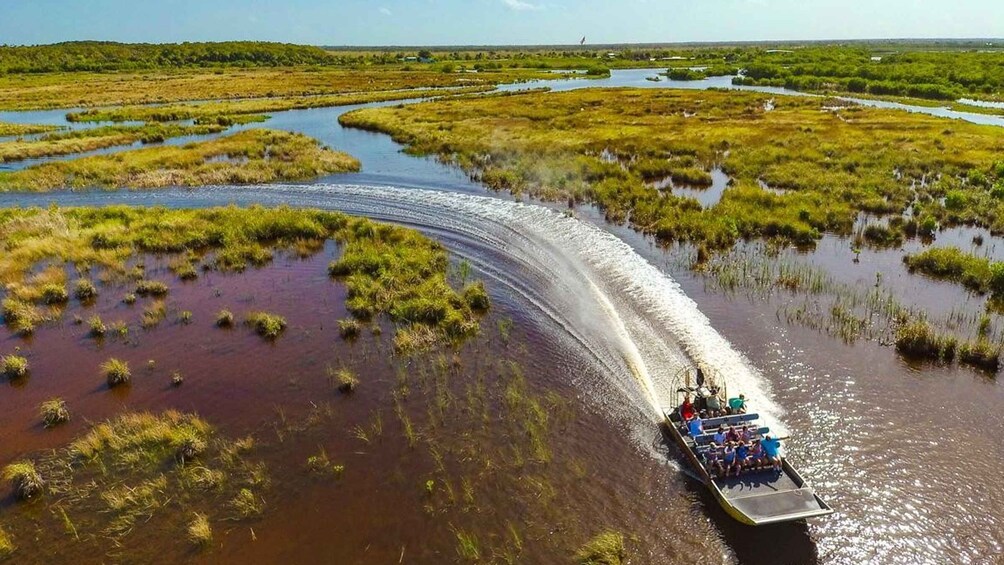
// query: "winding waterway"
[[905, 455]]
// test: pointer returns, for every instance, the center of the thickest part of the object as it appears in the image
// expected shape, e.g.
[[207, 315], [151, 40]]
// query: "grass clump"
[[225, 319], [54, 294], [345, 380], [54, 412], [151, 288], [116, 372], [349, 329], [154, 314], [247, 504], [950, 263], [14, 366], [129, 298], [200, 532], [7, 546], [918, 339], [265, 324], [981, 354], [85, 290], [97, 326], [25, 479], [606, 548], [476, 296]]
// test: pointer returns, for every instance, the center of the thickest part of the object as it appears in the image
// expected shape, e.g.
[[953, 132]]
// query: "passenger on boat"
[[720, 436], [756, 460], [714, 404], [772, 450], [714, 460], [732, 436], [696, 426], [729, 458], [742, 456], [737, 405], [687, 409], [748, 433]]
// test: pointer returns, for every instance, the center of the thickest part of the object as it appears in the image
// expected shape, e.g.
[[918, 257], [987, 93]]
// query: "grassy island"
[[252, 156], [797, 167]]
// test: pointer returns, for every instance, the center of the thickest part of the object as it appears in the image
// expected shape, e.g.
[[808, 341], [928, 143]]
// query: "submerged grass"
[[606, 548], [251, 156]]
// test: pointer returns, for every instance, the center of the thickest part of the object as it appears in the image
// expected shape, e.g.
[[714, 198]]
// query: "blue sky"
[[454, 22]]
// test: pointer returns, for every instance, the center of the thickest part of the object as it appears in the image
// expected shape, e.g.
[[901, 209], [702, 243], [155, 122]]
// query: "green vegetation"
[[116, 372], [8, 129], [403, 274], [7, 546], [151, 288], [252, 156], [606, 548], [97, 326], [683, 73], [84, 290], [200, 532], [141, 468], [349, 329], [54, 412], [935, 75], [919, 339], [265, 324], [344, 380], [225, 319], [80, 141], [110, 56], [24, 479], [14, 366], [214, 112], [976, 273], [823, 161]]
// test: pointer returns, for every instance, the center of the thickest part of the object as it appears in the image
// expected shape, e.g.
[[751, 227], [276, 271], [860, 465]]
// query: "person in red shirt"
[[687, 409]]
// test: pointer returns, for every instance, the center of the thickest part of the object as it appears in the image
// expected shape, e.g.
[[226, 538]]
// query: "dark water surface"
[[905, 454]]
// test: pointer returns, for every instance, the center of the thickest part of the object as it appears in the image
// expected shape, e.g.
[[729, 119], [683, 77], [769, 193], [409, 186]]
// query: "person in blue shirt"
[[742, 456], [772, 450], [696, 426]]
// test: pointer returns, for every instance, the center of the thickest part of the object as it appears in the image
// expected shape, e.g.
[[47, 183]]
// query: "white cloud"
[[386, 11], [521, 5]]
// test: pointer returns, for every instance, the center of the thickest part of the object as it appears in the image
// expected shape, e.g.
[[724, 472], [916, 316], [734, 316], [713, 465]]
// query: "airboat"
[[755, 497]]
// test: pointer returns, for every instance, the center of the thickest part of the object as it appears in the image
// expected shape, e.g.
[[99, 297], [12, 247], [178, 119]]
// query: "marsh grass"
[[832, 164], [918, 339], [250, 156], [7, 546], [349, 329], [981, 354], [344, 379], [154, 314], [265, 324], [225, 319], [247, 504], [143, 468], [606, 548], [85, 290], [116, 372], [54, 412], [200, 532], [25, 480], [96, 326], [151, 288], [14, 366]]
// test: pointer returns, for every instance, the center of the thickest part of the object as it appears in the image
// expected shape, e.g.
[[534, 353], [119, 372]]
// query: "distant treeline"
[[935, 75], [107, 56]]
